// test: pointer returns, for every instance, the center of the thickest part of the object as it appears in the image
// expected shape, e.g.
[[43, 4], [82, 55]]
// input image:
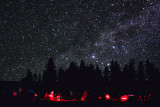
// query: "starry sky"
[[95, 31]]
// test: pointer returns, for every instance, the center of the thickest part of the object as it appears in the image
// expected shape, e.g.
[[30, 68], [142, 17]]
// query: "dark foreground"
[[20, 103]]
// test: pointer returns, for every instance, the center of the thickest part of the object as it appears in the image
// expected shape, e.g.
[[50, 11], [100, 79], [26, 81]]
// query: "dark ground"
[[22, 103]]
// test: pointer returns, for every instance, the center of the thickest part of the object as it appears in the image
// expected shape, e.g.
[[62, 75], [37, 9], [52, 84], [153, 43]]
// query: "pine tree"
[[49, 75], [61, 77], [35, 78], [39, 79], [106, 77], [141, 71]]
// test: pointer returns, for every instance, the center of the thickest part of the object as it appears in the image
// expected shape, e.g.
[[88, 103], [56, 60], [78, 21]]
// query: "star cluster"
[[95, 31]]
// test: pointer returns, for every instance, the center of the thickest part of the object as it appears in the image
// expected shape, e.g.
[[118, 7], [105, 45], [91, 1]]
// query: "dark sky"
[[31, 31]]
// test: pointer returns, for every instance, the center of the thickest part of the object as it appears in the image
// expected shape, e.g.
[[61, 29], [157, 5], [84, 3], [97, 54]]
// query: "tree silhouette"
[[91, 76], [61, 77], [28, 80], [71, 75], [141, 72], [131, 70], [98, 80], [116, 73], [150, 69], [77, 79], [106, 76], [39, 78], [126, 73], [29, 77], [111, 68], [82, 78], [49, 75], [98, 74], [154, 80], [126, 78], [35, 77], [116, 77]]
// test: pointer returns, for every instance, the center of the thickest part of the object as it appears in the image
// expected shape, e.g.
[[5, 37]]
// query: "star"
[[93, 56]]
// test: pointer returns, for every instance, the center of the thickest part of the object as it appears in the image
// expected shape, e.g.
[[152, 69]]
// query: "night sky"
[[97, 31]]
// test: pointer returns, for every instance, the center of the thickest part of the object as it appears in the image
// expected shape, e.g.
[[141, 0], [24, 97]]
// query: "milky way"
[[95, 31]]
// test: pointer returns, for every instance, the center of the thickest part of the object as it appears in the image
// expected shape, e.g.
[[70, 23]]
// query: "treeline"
[[141, 79]]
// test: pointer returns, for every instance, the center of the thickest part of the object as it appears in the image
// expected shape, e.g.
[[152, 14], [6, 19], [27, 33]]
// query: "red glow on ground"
[[53, 97], [50, 95], [14, 94], [52, 92], [58, 98], [20, 90], [99, 97], [107, 97], [82, 99], [84, 96], [149, 97], [46, 95], [124, 98], [35, 95]]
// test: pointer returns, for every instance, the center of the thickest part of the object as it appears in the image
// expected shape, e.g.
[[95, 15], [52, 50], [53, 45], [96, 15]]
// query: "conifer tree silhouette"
[[126, 77], [39, 79], [49, 75], [70, 75], [132, 70], [61, 77], [106, 78], [98, 80], [77, 79], [35, 77], [141, 72], [91, 77], [154, 80], [82, 75], [116, 77], [28, 80]]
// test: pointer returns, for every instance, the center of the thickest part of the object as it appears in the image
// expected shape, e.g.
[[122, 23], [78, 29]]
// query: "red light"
[[99, 97], [84, 96], [107, 97], [20, 90], [82, 99], [71, 93], [35, 95], [58, 98], [50, 95], [52, 92], [124, 98], [14, 94], [149, 97]]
